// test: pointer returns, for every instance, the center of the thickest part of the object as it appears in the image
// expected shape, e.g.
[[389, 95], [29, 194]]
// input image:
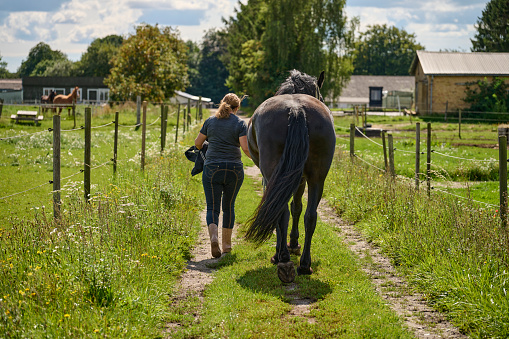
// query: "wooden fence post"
[[143, 135], [177, 128], [459, 124], [88, 144], [417, 153], [188, 114], [502, 163], [138, 111], [428, 159], [352, 140], [56, 167], [162, 127], [384, 146], [391, 156], [115, 144], [74, 113], [201, 109]]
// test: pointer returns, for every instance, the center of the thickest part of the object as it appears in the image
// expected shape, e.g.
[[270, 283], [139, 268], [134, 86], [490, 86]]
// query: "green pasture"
[[452, 250], [109, 267], [466, 166], [26, 156]]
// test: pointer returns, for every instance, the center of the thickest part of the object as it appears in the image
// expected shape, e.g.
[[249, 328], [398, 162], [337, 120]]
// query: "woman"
[[223, 172]]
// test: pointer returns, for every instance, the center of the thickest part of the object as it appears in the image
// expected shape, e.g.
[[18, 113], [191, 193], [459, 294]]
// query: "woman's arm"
[[243, 145], [200, 139]]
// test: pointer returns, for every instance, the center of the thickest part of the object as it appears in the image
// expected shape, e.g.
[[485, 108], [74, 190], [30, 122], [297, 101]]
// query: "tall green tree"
[[384, 50], [193, 61], [492, 28], [213, 72], [96, 61], [151, 63], [207, 72], [37, 54], [268, 38]]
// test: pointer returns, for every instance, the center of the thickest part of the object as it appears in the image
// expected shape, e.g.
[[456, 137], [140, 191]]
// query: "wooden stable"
[[27, 116]]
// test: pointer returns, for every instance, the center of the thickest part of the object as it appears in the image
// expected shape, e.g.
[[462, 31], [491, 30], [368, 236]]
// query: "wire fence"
[[87, 167], [389, 165]]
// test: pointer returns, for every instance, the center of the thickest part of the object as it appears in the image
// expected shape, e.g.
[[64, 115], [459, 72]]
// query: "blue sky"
[[71, 25]]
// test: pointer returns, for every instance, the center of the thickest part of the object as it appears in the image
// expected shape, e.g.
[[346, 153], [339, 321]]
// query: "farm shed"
[[441, 77], [183, 98], [11, 91], [357, 91], [91, 89]]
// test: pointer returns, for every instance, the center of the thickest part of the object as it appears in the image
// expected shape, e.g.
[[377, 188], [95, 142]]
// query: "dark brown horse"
[[291, 138], [60, 101], [47, 99]]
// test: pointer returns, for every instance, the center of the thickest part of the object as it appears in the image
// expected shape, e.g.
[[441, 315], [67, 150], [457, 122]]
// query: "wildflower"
[[21, 292], [67, 315], [96, 330]]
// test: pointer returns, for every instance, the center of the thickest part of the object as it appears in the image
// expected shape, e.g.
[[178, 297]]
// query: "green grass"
[[247, 300], [473, 158], [453, 250], [108, 267], [26, 161]]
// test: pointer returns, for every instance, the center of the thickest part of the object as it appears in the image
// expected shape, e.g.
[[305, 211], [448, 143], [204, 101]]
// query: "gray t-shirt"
[[223, 136]]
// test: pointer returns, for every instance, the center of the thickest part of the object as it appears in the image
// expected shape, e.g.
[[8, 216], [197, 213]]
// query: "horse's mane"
[[298, 83]]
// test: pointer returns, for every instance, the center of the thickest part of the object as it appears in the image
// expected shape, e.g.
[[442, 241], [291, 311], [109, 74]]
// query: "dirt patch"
[[198, 273]]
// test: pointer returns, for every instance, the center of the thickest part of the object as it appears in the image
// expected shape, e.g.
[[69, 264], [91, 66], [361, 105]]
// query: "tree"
[[37, 54], [193, 61], [151, 63], [492, 28], [383, 50], [96, 61], [268, 38], [213, 72], [485, 96]]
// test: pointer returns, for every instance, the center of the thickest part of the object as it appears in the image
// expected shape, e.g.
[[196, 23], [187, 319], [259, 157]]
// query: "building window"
[[98, 95]]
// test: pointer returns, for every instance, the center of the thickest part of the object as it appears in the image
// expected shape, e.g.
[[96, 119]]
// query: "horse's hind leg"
[[315, 192], [296, 208], [285, 269]]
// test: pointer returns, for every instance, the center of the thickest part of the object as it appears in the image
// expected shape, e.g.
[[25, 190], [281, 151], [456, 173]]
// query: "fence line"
[[452, 156], [502, 169], [83, 164]]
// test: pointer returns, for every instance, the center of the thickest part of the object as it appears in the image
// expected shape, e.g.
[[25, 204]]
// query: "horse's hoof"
[[304, 271], [294, 250], [286, 272], [274, 259]]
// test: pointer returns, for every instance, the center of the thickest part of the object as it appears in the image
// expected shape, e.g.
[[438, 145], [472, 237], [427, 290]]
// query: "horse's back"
[[269, 126]]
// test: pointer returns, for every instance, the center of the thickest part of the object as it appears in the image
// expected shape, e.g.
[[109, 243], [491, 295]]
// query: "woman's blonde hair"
[[227, 105]]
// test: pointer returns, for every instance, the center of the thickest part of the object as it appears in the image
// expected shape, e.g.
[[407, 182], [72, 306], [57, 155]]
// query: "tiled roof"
[[451, 63]]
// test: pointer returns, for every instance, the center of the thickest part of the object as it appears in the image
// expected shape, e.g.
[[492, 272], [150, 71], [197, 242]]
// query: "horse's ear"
[[320, 79]]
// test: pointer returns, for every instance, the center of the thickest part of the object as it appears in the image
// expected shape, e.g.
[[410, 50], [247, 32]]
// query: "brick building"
[[441, 77]]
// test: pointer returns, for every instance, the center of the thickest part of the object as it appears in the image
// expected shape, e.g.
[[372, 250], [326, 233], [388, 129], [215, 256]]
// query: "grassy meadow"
[[108, 267]]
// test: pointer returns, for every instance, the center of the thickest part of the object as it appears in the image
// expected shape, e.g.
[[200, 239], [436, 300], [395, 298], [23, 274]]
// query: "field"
[[109, 268]]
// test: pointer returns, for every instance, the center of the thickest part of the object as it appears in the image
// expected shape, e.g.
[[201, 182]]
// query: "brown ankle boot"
[[227, 240], [214, 242]]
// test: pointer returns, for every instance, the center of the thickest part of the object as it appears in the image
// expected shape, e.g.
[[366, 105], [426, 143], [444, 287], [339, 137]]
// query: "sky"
[[71, 25]]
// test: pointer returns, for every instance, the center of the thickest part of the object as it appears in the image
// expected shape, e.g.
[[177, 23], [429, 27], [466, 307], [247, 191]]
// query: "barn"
[[386, 91], [441, 77], [91, 89]]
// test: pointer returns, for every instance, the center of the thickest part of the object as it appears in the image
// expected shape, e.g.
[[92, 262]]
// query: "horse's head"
[[301, 83]]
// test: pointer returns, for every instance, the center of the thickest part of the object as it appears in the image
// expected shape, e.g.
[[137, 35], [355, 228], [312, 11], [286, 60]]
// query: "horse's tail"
[[284, 180]]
